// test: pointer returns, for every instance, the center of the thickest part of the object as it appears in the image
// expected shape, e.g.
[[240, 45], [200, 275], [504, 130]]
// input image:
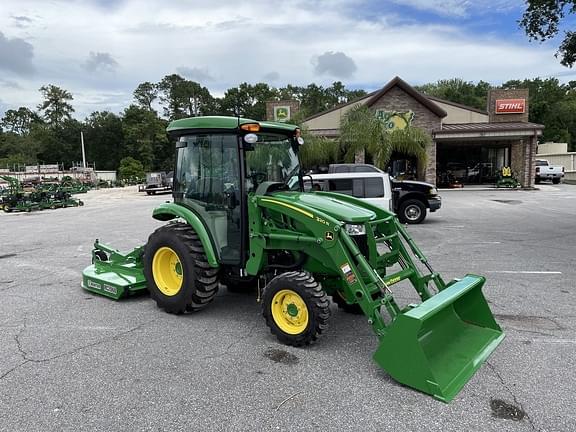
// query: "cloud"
[[336, 64], [9, 84], [21, 21], [16, 55], [271, 76], [100, 62], [195, 74], [461, 8]]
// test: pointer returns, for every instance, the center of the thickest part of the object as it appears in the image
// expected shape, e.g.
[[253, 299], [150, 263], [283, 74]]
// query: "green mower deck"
[[113, 274]]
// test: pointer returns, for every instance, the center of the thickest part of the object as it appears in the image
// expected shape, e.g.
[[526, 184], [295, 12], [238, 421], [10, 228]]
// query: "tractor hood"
[[332, 206]]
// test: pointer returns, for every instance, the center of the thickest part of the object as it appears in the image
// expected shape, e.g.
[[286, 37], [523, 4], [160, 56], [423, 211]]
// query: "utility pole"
[[83, 152]]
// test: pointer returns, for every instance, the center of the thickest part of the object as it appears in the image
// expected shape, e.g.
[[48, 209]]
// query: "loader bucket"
[[437, 346]]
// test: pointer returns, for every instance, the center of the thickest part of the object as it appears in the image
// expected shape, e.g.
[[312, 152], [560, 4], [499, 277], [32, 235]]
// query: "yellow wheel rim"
[[289, 312], [167, 271]]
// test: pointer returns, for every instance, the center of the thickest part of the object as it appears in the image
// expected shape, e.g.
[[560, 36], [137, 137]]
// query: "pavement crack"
[[509, 390], [27, 359], [233, 343], [5, 374]]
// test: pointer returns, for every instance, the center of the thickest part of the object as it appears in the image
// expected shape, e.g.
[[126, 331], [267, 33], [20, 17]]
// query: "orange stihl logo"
[[510, 106]]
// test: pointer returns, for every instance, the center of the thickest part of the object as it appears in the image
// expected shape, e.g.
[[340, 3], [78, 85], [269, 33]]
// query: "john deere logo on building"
[[281, 113], [394, 119]]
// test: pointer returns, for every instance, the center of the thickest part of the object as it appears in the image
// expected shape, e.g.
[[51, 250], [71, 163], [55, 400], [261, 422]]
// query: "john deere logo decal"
[[329, 235], [281, 113]]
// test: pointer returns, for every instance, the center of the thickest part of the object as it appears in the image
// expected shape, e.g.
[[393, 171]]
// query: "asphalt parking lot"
[[72, 361]]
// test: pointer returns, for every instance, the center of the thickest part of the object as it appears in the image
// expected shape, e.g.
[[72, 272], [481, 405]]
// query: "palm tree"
[[361, 131]]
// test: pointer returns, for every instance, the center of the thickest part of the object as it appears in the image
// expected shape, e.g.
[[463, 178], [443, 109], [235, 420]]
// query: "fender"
[[169, 211]]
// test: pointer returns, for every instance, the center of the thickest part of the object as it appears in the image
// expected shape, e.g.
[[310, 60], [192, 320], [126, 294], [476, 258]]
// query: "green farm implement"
[[240, 218], [42, 197]]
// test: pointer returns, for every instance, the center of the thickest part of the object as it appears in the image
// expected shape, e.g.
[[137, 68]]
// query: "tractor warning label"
[[348, 273]]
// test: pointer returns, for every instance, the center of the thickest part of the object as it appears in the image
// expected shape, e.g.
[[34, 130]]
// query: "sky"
[[100, 50]]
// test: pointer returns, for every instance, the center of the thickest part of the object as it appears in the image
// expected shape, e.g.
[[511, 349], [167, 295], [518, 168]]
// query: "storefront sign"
[[510, 106], [281, 113], [394, 119]]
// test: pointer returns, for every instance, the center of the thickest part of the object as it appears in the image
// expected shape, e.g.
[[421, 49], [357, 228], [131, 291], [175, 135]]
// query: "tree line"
[[49, 133]]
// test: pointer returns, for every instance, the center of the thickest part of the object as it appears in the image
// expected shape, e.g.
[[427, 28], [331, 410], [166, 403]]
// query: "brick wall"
[[294, 108], [522, 160], [506, 94]]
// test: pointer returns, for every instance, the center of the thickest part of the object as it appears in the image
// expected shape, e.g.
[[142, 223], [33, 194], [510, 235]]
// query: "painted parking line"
[[523, 272]]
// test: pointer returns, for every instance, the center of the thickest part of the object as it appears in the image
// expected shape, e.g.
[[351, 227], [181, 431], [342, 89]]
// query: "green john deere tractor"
[[240, 217]]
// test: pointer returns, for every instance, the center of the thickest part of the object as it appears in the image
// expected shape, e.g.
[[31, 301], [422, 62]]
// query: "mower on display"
[[240, 218]]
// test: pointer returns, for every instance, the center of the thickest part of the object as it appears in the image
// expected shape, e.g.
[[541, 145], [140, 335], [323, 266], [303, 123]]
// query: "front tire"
[[412, 211], [177, 270], [296, 308]]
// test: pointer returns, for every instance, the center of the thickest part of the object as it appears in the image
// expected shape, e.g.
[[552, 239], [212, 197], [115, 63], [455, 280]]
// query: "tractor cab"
[[219, 162]]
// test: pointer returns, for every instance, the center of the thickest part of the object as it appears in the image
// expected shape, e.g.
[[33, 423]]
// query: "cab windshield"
[[273, 159]]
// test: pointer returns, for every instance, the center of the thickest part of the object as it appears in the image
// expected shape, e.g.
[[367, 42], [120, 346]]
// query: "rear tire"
[[177, 270], [412, 211], [296, 308]]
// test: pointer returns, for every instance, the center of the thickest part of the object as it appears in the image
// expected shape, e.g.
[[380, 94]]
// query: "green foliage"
[[145, 138], [459, 91], [541, 21], [55, 106], [361, 131], [145, 94], [318, 151], [247, 100], [131, 168], [183, 98], [19, 121], [104, 139], [552, 104], [52, 136]]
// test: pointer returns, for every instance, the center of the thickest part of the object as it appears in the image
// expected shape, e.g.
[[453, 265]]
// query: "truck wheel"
[[555, 180], [177, 270], [6, 208], [412, 211], [296, 308]]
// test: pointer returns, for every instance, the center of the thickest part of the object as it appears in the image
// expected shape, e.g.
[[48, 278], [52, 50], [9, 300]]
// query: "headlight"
[[354, 229], [433, 191]]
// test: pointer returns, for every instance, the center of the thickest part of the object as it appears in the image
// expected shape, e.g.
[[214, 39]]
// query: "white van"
[[408, 199]]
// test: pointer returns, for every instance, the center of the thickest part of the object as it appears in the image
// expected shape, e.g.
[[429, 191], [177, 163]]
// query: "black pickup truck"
[[410, 199]]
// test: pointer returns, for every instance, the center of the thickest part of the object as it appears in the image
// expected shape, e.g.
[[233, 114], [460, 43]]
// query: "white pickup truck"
[[545, 171]]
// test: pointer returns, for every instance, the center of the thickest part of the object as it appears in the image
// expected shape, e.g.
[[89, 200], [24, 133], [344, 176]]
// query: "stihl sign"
[[510, 106]]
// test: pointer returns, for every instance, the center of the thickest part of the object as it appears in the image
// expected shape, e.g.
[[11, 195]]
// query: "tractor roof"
[[222, 122]]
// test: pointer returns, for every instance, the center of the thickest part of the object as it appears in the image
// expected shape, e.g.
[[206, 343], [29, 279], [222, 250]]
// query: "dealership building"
[[468, 145]]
